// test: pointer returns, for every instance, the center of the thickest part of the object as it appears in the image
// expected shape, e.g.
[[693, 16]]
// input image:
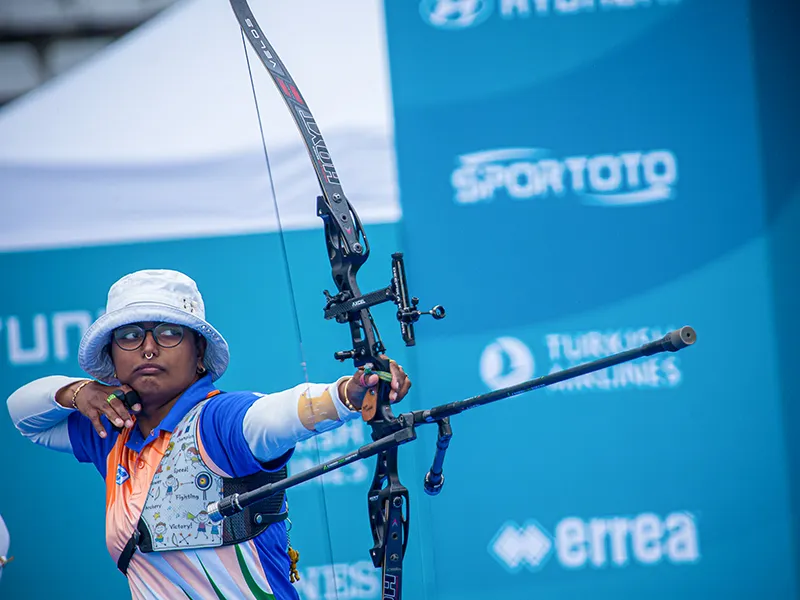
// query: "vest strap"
[[127, 552]]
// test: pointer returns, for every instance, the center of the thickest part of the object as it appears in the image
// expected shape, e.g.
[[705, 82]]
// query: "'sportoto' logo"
[[622, 179]]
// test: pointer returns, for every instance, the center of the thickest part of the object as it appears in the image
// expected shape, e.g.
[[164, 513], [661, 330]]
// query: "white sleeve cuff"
[[37, 415], [272, 425]]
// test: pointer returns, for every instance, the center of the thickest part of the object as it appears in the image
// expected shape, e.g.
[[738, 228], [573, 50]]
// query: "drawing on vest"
[[175, 510], [182, 540], [193, 453], [202, 522], [160, 530], [171, 484], [170, 448], [203, 481], [153, 493]]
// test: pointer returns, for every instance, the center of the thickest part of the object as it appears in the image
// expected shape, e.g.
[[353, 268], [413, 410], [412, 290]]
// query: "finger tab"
[[369, 407]]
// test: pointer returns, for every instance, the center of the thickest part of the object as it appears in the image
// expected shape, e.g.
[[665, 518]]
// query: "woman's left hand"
[[359, 386]]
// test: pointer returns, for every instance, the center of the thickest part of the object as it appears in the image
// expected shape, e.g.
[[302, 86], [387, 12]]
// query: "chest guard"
[[174, 516]]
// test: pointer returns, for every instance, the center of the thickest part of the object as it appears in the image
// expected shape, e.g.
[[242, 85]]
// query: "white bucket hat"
[[151, 295]]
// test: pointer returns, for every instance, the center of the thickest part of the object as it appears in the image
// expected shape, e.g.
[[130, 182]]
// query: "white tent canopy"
[[157, 136]]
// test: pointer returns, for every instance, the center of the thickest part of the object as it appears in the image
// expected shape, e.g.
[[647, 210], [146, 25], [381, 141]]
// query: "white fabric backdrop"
[[157, 136]]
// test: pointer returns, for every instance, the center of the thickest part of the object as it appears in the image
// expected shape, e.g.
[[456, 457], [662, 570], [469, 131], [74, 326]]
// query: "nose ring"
[[148, 355]]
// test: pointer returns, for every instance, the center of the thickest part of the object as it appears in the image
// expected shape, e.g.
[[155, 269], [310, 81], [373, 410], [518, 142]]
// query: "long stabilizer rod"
[[672, 342]]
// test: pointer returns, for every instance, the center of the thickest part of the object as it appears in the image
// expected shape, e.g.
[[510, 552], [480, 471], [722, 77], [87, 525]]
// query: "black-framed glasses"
[[131, 337]]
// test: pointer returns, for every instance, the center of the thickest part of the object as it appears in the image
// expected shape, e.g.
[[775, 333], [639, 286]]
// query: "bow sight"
[[342, 307]]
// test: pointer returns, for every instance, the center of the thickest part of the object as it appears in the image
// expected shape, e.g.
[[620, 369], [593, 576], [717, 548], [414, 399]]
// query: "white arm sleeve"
[[272, 424], [37, 415]]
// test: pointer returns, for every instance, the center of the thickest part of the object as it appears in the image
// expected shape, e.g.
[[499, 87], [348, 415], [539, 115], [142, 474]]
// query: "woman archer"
[[154, 340]]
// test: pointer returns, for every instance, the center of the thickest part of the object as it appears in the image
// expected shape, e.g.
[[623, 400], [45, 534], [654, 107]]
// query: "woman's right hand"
[[93, 401]]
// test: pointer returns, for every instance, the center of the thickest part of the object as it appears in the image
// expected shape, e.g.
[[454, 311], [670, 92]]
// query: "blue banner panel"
[[580, 177], [597, 181], [777, 61]]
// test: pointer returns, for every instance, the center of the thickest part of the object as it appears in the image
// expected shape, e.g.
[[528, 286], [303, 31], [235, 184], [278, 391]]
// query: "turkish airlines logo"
[[505, 362]]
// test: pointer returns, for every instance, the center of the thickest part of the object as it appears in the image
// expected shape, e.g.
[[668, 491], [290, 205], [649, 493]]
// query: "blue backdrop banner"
[[585, 176], [577, 178]]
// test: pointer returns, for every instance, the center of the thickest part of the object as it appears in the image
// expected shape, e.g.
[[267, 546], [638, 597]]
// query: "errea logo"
[[603, 542], [516, 547]]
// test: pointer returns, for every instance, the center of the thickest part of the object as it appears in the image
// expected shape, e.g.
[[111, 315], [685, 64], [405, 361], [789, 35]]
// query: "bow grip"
[[376, 400]]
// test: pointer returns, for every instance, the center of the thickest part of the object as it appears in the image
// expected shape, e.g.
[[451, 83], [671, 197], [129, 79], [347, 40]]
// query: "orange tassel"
[[294, 556]]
